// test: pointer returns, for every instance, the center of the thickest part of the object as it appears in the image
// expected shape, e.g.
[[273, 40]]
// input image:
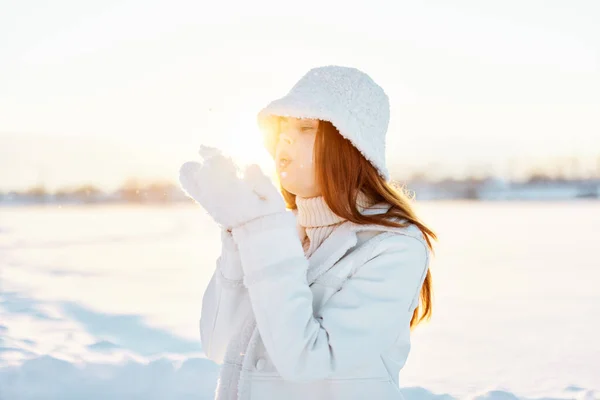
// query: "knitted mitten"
[[229, 199]]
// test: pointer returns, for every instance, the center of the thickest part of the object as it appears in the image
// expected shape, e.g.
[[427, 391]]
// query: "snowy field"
[[102, 302]]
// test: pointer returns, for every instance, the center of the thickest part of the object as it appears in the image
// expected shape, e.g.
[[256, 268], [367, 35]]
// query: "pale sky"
[[101, 91]]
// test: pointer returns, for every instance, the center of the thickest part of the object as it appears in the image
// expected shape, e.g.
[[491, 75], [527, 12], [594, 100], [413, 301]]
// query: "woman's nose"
[[287, 139]]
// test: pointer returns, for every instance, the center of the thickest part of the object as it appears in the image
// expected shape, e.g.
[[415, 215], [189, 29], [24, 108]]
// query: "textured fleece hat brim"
[[346, 97]]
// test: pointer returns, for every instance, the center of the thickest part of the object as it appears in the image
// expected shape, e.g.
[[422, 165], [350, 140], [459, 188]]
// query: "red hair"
[[342, 172]]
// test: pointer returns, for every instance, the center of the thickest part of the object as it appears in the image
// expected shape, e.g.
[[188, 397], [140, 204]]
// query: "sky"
[[101, 91]]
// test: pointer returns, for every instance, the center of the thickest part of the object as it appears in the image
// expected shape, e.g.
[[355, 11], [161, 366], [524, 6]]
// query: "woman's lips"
[[284, 162]]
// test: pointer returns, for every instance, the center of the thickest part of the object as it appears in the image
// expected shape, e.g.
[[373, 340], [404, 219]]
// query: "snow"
[[102, 302]]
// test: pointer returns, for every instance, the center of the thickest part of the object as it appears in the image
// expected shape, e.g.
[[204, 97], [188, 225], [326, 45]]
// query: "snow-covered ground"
[[102, 302]]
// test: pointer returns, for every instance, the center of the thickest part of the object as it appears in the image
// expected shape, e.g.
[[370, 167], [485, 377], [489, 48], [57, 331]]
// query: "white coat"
[[337, 329]]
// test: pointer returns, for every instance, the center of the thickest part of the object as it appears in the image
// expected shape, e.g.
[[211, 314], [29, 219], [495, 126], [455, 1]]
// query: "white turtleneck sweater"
[[318, 221]]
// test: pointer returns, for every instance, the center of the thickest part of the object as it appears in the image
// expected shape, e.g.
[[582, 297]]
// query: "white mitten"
[[230, 200], [229, 263]]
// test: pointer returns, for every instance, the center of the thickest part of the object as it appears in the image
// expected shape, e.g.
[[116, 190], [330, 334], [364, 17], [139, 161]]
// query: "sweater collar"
[[313, 212]]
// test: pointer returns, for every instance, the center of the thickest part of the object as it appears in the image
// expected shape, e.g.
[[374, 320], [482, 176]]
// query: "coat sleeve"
[[357, 324], [225, 302]]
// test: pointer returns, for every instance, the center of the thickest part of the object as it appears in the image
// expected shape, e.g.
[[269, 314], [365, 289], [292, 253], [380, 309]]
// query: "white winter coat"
[[334, 327]]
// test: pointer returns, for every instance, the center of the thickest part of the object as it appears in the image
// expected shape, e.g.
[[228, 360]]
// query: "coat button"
[[260, 364]]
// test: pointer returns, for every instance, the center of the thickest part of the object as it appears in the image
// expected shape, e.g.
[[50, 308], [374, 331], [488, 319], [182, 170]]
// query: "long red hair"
[[342, 173]]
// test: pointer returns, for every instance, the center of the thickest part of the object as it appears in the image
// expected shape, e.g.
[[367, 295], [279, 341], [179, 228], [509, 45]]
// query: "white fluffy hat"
[[344, 96]]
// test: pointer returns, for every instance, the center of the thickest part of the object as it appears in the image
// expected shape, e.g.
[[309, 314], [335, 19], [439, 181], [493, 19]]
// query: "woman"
[[315, 293]]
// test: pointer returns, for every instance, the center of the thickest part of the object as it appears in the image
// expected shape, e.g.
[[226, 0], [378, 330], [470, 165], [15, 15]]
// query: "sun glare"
[[244, 143]]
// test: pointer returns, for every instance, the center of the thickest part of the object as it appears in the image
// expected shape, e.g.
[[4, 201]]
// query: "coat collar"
[[330, 251], [340, 241]]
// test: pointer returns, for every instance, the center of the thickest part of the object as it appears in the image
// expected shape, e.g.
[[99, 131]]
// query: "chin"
[[290, 188], [297, 187], [299, 191]]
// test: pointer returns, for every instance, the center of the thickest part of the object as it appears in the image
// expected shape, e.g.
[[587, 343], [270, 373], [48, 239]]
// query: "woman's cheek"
[[305, 164], [306, 160]]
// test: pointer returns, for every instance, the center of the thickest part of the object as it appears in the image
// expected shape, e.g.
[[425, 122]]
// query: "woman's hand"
[[229, 199]]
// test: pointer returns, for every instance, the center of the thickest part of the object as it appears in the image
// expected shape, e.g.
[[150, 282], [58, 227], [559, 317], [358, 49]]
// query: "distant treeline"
[[131, 192], [537, 186]]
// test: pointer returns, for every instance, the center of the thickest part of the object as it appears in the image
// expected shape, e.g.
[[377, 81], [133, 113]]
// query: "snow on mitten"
[[230, 200]]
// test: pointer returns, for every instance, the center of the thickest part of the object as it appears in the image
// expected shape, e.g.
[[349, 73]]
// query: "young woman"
[[317, 287]]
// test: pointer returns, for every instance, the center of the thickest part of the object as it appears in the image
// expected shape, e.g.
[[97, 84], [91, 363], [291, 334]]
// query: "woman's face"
[[294, 154]]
